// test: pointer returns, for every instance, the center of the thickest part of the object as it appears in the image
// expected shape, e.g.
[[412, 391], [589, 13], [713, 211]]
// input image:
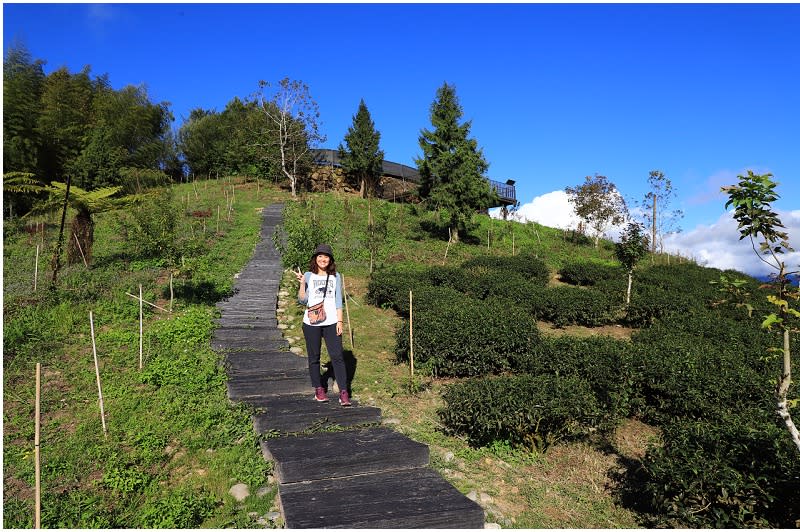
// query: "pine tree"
[[362, 160], [452, 166]]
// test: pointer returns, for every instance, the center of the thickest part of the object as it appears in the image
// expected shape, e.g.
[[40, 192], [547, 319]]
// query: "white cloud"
[[552, 209], [716, 245]]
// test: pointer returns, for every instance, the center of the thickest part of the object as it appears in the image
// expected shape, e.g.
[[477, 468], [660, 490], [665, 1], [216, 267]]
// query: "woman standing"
[[322, 284]]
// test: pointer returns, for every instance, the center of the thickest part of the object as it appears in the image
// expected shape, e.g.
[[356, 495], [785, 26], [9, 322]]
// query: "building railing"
[[325, 157]]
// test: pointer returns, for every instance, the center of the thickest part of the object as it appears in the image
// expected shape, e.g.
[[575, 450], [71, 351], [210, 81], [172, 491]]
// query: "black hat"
[[325, 249]]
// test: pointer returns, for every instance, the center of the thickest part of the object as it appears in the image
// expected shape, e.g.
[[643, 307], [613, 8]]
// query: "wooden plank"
[[328, 455], [243, 390], [247, 344], [307, 414], [266, 363], [413, 498]]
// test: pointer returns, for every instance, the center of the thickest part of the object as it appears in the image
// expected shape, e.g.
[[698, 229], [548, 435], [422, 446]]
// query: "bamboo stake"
[[36, 449], [141, 327], [218, 218], [449, 239], [81, 250], [147, 302], [97, 374], [411, 333], [36, 269], [347, 310], [171, 293]]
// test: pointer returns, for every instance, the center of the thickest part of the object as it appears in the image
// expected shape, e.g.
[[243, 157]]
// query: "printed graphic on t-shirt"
[[319, 288]]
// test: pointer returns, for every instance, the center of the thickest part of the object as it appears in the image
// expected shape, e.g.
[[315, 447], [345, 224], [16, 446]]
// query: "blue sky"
[[555, 92]]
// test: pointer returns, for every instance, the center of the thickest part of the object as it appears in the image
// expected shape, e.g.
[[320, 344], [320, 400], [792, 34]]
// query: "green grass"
[[174, 444]]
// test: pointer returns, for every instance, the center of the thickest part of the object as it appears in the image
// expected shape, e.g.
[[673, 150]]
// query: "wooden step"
[[286, 415], [266, 363], [241, 390], [413, 498], [328, 455]]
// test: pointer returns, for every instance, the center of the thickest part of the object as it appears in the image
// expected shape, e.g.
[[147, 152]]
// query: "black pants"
[[314, 335]]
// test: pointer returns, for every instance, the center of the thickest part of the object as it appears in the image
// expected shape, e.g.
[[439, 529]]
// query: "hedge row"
[[738, 471], [535, 411], [589, 273], [466, 337]]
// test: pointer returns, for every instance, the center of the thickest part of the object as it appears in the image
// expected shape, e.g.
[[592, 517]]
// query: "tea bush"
[[606, 364], [525, 264], [685, 375], [469, 338], [735, 471], [530, 410], [565, 305], [589, 273], [390, 285]]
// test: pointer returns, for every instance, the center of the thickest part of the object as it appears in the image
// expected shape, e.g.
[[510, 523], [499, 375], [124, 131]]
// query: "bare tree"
[[655, 208], [292, 125], [599, 203]]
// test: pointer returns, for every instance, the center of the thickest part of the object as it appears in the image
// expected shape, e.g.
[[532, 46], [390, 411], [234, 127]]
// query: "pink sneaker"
[[344, 398], [320, 395]]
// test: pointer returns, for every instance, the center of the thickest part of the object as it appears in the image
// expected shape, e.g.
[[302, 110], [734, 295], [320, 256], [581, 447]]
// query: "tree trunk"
[[782, 391], [653, 242], [628, 293], [83, 228], [454, 234], [363, 190]]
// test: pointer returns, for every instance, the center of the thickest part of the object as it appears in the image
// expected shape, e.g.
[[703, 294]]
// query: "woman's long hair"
[[312, 265]]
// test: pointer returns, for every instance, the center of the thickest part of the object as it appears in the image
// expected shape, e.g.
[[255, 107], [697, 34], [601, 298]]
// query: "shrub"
[[734, 472], [150, 229], [469, 337], [685, 375], [603, 362], [527, 265], [588, 273], [389, 286], [534, 411], [565, 305]]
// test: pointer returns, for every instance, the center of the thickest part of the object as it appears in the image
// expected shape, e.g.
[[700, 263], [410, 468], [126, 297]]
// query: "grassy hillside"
[[175, 446]]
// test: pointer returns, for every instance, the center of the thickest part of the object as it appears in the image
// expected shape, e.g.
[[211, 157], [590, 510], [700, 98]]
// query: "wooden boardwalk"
[[360, 475]]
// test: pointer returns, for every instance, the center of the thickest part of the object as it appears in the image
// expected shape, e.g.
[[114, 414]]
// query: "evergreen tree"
[[362, 161], [452, 166]]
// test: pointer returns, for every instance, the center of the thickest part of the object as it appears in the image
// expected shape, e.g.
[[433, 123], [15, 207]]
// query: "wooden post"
[[97, 374], [171, 293], [37, 467], [512, 244], [411, 334], [36, 269], [217, 218], [449, 239], [347, 310], [488, 233], [81, 250], [141, 318]]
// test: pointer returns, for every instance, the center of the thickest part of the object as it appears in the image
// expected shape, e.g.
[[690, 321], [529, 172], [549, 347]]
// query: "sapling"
[[631, 248], [752, 199]]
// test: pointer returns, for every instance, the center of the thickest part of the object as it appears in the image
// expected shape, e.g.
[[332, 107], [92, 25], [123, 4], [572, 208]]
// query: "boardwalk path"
[[367, 476]]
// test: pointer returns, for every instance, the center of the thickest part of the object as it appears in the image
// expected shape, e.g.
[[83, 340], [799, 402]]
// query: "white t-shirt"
[[315, 284]]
